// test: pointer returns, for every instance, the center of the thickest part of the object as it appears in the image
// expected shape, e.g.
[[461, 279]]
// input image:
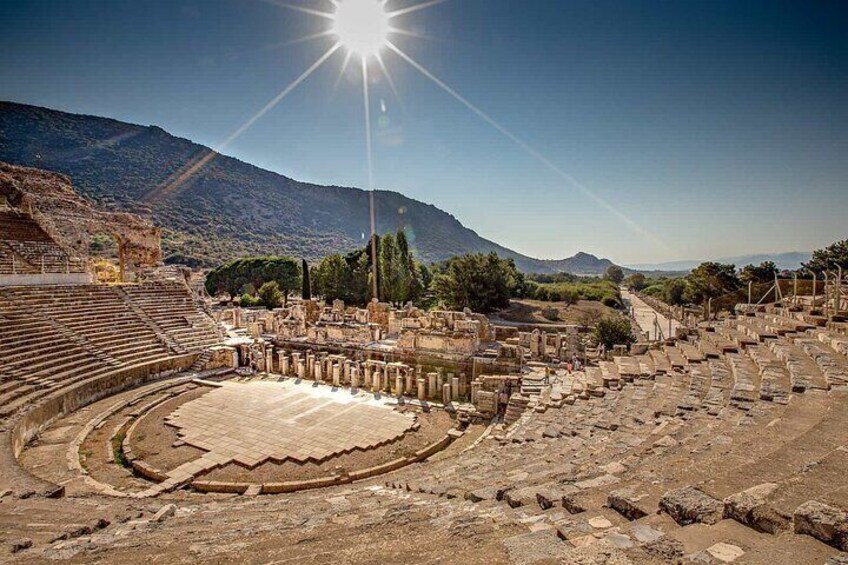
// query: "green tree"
[[480, 282], [270, 295], [614, 273], [234, 275], [675, 292], [636, 281], [830, 258], [711, 280], [764, 272], [611, 331]]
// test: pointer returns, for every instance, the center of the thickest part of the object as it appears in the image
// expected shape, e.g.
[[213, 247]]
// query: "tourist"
[[503, 400]]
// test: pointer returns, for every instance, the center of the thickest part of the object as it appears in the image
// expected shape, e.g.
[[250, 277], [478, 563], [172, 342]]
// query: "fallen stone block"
[[825, 523], [690, 505], [626, 502]]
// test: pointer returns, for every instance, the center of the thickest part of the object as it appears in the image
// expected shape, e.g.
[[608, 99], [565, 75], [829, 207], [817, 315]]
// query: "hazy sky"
[[717, 128]]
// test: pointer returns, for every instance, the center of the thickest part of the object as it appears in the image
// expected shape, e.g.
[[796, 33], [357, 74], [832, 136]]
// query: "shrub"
[[612, 331], [270, 295], [247, 300]]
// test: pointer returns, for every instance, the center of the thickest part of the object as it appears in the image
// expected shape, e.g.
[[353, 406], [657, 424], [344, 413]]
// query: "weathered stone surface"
[[20, 544], [626, 502], [666, 549], [534, 547], [485, 493], [750, 507], [550, 496], [725, 552], [600, 523], [520, 497], [645, 534], [823, 522], [164, 513], [690, 505]]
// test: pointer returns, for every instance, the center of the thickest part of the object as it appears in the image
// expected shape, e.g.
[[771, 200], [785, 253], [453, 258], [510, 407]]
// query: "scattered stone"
[[614, 468], [666, 441], [619, 540], [823, 522], [725, 552], [690, 505], [645, 534], [600, 523], [164, 513], [20, 544]]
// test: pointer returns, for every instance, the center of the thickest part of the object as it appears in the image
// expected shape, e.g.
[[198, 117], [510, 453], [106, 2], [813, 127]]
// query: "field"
[[527, 311]]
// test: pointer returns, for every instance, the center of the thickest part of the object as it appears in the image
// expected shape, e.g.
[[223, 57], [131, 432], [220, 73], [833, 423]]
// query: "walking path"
[[647, 318]]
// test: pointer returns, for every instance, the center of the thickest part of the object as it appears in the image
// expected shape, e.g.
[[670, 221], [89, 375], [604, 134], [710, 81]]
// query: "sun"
[[362, 26]]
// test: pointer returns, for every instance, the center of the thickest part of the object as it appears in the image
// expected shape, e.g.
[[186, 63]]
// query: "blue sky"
[[718, 128]]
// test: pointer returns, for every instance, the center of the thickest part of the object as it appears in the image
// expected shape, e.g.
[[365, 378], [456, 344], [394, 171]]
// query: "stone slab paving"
[[645, 316], [250, 423]]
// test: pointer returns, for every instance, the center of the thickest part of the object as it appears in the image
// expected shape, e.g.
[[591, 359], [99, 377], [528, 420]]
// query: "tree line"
[[712, 280]]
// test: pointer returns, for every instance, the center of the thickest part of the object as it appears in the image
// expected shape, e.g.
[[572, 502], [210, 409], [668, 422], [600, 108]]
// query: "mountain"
[[580, 264], [789, 260], [229, 208]]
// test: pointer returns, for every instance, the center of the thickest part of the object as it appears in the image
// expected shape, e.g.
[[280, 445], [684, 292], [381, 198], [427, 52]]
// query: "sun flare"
[[362, 26]]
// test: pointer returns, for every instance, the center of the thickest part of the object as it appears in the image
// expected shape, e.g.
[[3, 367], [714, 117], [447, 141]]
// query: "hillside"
[[231, 208]]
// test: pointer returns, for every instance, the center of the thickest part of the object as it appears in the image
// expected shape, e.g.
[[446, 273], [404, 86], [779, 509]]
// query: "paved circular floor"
[[250, 423]]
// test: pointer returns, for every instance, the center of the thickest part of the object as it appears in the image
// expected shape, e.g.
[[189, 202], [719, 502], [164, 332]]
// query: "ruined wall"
[[71, 220]]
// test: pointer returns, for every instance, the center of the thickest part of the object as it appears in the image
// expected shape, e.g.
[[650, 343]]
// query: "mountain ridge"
[[790, 260], [231, 208]]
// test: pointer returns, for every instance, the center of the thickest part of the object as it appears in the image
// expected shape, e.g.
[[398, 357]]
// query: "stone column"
[[475, 387], [368, 374], [310, 364], [295, 362], [455, 388], [432, 385], [318, 371], [446, 393], [399, 386], [375, 380], [354, 377], [408, 379], [301, 369], [422, 392], [337, 369], [284, 363]]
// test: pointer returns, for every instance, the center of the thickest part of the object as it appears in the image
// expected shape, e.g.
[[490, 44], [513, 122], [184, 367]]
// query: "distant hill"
[[231, 208], [790, 260]]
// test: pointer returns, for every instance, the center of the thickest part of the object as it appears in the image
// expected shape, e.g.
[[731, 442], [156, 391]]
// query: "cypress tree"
[[306, 291]]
